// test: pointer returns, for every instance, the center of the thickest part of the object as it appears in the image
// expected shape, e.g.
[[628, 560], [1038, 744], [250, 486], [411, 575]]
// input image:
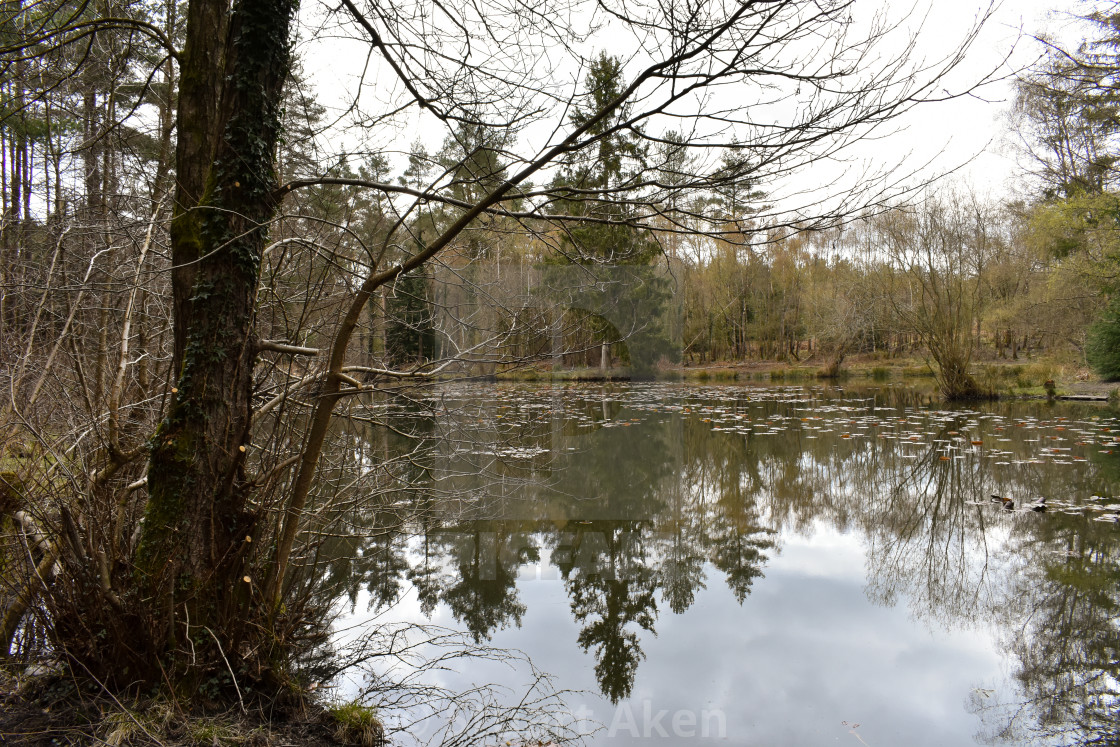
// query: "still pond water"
[[759, 566]]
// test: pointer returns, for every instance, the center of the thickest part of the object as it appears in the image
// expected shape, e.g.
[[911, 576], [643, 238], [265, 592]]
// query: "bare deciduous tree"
[[187, 552]]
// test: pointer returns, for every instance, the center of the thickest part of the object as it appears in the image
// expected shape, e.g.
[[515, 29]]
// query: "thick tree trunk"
[[189, 559], [201, 74]]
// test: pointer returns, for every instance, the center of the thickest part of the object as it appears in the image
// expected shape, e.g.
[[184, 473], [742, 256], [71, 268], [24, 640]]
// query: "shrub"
[[357, 724]]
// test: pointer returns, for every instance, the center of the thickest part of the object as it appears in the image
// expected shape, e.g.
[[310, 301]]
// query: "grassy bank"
[[55, 710], [1007, 378], [564, 374]]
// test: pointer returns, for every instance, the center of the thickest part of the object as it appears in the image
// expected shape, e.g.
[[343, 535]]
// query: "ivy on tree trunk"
[[196, 527]]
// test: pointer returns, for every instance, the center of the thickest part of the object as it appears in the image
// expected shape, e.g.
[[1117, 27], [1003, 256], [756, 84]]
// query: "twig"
[[231, 674]]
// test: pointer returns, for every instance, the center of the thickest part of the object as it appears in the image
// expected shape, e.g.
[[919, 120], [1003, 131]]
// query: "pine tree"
[[410, 334]]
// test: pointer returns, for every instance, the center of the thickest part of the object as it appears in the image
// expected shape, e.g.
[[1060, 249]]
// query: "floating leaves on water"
[[519, 427]]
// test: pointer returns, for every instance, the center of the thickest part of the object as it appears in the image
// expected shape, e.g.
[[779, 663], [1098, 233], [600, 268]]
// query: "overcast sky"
[[974, 130], [968, 134]]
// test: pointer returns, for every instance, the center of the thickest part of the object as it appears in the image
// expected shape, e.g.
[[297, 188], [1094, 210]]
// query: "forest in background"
[[86, 176], [193, 286]]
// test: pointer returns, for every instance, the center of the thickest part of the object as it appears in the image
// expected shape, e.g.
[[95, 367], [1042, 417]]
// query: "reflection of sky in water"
[[904, 623], [806, 652]]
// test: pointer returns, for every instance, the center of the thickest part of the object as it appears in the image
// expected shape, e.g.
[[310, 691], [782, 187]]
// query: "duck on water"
[[1038, 506]]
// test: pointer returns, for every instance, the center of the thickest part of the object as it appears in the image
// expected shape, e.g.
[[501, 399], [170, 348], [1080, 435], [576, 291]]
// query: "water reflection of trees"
[[636, 516], [1061, 608], [483, 595], [612, 590], [716, 518]]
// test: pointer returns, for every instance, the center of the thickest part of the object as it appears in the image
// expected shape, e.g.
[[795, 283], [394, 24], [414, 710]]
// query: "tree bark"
[[201, 75], [195, 526]]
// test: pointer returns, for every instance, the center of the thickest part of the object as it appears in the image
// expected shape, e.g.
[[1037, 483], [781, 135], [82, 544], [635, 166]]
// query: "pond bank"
[[51, 710], [1024, 379]]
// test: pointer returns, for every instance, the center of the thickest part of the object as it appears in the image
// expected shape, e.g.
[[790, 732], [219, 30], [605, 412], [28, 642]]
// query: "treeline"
[[956, 267], [86, 176]]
